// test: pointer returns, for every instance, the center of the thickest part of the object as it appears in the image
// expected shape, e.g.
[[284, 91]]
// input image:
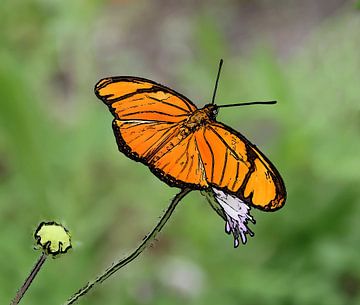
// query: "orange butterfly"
[[185, 146]]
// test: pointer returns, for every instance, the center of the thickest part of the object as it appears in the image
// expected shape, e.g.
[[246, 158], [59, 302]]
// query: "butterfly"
[[185, 146]]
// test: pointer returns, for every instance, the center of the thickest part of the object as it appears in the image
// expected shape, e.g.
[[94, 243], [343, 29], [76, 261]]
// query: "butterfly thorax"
[[198, 118]]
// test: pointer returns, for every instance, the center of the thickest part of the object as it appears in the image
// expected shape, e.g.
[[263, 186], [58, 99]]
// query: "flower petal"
[[237, 214]]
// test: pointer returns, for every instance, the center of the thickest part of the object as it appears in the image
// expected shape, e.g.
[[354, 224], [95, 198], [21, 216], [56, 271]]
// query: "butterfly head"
[[211, 110]]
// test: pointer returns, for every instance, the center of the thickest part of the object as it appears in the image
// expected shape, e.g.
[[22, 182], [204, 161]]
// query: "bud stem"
[[128, 259], [29, 279]]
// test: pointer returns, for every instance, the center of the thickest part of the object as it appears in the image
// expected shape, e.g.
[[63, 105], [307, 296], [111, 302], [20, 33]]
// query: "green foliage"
[[59, 161]]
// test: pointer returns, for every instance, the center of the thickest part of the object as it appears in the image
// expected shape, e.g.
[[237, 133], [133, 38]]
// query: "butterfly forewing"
[[138, 99]]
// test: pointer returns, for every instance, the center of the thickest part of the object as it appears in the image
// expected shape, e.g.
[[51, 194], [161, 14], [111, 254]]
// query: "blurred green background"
[[59, 160]]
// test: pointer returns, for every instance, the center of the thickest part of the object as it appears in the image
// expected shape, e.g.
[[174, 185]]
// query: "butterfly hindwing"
[[142, 139], [236, 165], [224, 157], [170, 156]]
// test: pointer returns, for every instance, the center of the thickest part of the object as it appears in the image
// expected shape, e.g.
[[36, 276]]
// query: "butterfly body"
[[185, 146], [198, 118]]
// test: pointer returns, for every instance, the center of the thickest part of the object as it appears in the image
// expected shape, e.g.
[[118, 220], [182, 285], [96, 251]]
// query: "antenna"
[[248, 103], [217, 81]]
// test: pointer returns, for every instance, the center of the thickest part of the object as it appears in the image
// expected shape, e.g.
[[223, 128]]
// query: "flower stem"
[[128, 259], [29, 279]]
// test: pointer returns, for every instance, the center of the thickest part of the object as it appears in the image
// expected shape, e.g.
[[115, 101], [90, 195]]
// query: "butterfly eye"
[[215, 112]]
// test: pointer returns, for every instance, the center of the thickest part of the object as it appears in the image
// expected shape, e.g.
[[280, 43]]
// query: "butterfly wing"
[[139, 99], [147, 128], [232, 163]]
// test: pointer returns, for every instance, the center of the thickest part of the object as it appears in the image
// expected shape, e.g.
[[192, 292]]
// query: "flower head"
[[234, 211], [53, 238]]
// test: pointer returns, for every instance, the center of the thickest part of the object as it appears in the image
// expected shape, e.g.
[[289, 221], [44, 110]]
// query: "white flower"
[[236, 214]]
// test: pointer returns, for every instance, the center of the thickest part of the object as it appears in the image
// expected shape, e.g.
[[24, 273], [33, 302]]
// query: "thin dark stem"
[[128, 259], [247, 104], [217, 81], [29, 279]]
